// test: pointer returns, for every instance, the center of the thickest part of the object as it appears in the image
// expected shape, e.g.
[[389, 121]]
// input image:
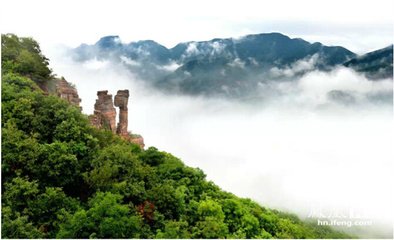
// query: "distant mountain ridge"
[[376, 65], [228, 66]]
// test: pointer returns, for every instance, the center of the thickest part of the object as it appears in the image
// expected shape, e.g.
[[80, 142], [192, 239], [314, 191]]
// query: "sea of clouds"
[[301, 150]]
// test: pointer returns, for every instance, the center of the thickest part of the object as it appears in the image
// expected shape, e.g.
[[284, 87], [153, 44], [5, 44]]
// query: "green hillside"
[[62, 178]]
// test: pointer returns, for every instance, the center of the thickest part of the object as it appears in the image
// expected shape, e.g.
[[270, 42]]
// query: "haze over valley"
[[317, 138]]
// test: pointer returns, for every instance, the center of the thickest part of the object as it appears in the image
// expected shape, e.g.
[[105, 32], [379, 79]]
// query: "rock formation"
[[104, 115], [137, 139], [121, 101], [66, 91], [104, 112]]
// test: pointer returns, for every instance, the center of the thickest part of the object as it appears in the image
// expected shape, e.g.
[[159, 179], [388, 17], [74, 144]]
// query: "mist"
[[323, 143]]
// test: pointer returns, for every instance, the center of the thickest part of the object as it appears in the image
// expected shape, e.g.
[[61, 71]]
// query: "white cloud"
[[315, 85], [217, 48], [331, 90], [129, 61], [306, 64], [237, 63], [295, 68], [95, 64], [286, 155], [171, 67], [253, 61], [142, 52], [116, 40], [191, 49], [188, 74]]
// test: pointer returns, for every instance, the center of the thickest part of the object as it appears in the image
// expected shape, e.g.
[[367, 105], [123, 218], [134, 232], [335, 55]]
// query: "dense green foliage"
[[62, 178], [23, 56]]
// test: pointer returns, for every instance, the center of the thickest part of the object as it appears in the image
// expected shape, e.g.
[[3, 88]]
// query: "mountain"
[[229, 67], [375, 65], [64, 178], [236, 67], [268, 48]]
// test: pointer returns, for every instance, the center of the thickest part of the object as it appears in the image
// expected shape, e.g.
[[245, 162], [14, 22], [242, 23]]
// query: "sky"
[[360, 26]]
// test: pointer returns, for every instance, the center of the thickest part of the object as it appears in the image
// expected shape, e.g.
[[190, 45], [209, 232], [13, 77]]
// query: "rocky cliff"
[[67, 91]]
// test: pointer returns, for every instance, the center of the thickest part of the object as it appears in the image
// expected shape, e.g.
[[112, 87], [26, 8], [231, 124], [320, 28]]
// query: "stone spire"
[[104, 115], [121, 101], [104, 111]]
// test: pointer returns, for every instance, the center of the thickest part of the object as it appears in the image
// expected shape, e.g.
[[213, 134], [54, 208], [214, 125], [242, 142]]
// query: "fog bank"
[[302, 151]]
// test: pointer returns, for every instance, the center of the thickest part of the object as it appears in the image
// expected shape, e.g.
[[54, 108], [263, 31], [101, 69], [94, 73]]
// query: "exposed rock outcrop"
[[121, 101], [137, 139], [104, 115], [68, 92]]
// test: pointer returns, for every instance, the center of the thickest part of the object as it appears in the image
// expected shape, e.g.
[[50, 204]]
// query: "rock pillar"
[[121, 101], [104, 115], [105, 111]]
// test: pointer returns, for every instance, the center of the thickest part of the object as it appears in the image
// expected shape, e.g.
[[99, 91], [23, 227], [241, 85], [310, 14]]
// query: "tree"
[[15, 226], [105, 218], [24, 56], [168, 201], [174, 229], [211, 221]]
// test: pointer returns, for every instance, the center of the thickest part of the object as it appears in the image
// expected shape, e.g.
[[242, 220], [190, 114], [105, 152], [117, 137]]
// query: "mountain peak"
[[108, 41], [229, 66], [375, 65], [272, 35]]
